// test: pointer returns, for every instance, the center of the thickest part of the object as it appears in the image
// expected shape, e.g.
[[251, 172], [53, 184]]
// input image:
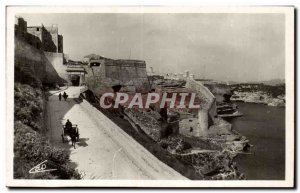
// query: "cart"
[[73, 133]]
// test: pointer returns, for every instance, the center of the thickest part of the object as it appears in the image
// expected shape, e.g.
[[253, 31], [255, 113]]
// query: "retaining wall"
[[34, 61], [57, 60]]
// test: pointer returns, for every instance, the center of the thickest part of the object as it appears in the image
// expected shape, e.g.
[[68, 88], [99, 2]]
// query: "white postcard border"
[[290, 105]]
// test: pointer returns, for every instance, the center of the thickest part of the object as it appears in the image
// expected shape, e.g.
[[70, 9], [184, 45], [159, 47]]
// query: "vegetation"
[[32, 148], [29, 106], [26, 76], [30, 144]]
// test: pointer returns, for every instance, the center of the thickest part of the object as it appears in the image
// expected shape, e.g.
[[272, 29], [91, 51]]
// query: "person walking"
[[59, 96]]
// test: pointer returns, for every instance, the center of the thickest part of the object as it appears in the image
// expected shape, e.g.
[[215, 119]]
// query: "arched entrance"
[[75, 80], [76, 75]]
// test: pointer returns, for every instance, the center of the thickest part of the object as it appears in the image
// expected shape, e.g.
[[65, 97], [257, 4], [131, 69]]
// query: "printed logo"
[[41, 167]]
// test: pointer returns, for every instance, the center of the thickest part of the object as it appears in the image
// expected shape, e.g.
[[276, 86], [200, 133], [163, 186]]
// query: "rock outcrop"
[[258, 97]]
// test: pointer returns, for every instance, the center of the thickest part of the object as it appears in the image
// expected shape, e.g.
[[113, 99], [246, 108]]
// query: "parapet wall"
[[208, 107], [206, 96]]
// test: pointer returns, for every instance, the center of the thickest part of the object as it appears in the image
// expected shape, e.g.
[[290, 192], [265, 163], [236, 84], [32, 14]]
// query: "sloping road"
[[104, 150]]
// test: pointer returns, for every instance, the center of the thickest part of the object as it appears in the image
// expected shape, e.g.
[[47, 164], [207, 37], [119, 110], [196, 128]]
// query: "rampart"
[[208, 107], [56, 60], [28, 59], [131, 75]]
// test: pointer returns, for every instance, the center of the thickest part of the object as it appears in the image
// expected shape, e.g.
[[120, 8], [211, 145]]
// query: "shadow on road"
[[82, 142]]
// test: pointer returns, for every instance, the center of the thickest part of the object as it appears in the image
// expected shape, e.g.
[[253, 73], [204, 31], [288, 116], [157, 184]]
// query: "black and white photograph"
[[150, 96]]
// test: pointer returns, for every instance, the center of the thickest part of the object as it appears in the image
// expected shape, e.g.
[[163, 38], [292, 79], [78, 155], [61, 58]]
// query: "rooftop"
[[75, 69]]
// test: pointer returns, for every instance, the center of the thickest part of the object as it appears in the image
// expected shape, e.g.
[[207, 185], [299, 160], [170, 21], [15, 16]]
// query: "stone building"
[[43, 38], [49, 39], [22, 33], [40, 49], [20, 27]]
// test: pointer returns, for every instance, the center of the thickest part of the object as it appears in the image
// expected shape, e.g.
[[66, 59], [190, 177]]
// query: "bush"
[[27, 77], [28, 105], [175, 144], [30, 146]]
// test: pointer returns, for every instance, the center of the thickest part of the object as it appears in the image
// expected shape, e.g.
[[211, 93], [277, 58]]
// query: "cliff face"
[[222, 92], [272, 95], [259, 97], [149, 122]]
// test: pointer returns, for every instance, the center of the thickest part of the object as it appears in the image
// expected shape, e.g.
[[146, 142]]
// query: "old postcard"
[[150, 96]]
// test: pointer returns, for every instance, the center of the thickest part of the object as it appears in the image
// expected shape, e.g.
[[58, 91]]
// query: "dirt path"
[[104, 150]]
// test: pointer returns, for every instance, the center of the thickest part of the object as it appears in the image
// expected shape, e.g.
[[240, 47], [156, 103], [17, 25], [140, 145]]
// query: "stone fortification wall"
[[56, 60], [96, 79], [30, 60], [130, 74], [208, 109], [206, 96]]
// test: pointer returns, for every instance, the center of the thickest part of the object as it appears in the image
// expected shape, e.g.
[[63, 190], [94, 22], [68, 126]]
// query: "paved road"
[[104, 150]]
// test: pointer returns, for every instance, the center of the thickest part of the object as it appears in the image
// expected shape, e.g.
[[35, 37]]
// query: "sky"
[[222, 46]]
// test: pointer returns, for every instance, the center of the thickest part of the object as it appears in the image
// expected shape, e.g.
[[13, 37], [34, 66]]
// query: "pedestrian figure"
[[65, 96], [59, 96]]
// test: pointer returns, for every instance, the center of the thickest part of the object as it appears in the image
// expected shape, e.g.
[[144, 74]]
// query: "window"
[[94, 64]]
